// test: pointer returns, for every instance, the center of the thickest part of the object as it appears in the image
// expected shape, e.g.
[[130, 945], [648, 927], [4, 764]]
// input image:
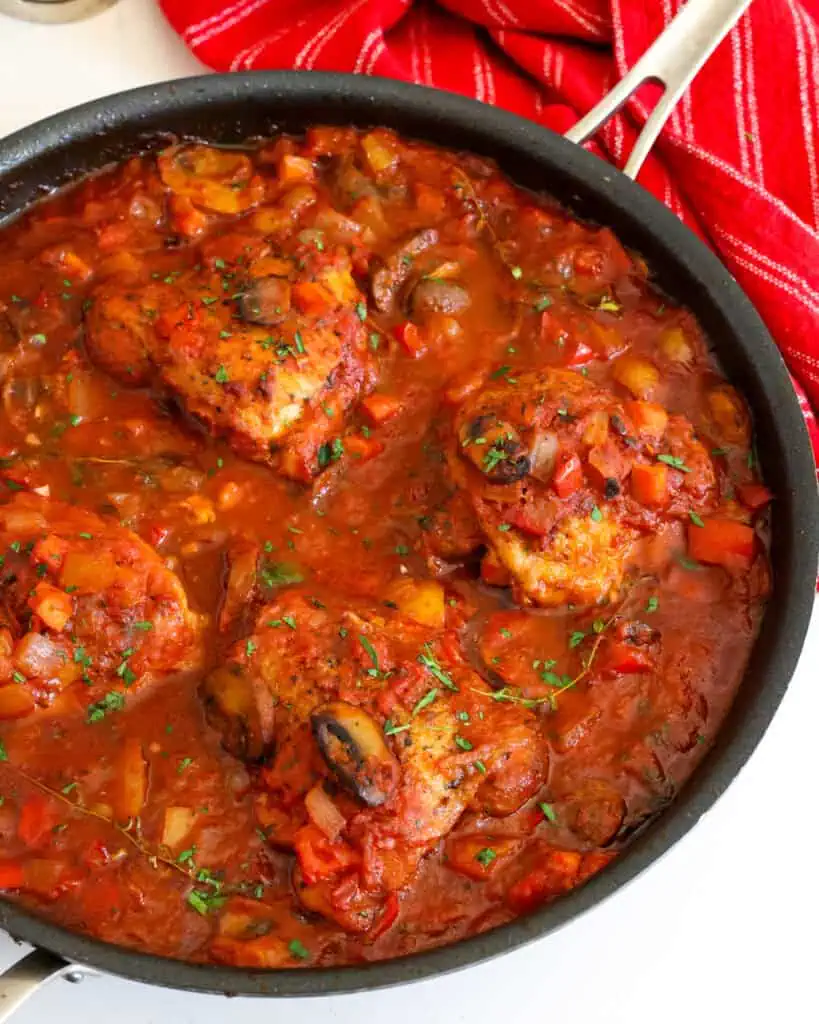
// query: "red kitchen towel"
[[737, 161]]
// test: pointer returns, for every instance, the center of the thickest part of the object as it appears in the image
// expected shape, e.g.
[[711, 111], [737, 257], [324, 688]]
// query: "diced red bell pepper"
[[649, 484], [578, 353], [623, 658], [409, 337], [722, 542], [380, 408], [568, 476], [312, 298], [37, 818], [319, 857], [362, 448], [388, 916], [754, 496], [493, 573], [648, 418]]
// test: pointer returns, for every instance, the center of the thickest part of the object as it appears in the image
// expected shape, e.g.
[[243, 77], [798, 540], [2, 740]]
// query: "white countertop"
[[722, 929]]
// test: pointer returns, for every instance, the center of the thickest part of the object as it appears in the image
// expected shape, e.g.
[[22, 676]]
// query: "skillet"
[[234, 108]]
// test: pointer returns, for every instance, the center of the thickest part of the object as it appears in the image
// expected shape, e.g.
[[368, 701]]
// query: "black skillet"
[[233, 108]]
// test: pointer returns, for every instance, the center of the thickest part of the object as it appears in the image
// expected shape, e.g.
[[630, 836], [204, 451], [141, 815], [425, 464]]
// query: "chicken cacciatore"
[[380, 550]]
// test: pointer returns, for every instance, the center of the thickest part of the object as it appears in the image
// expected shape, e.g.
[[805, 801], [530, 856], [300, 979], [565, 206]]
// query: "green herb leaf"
[[485, 856], [390, 728], [652, 604], [576, 639], [279, 574], [548, 812], [675, 462], [203, 902], [113, 701], [596, 514], [695, 519], [368, 647], [298, 950], [428, 660], [425, 701]]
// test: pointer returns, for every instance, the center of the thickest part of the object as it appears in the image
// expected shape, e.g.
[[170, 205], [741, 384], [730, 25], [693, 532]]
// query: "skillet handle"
[[25, 977], [672, 60]]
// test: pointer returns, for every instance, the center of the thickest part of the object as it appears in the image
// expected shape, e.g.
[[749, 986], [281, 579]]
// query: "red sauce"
[[380, 551]]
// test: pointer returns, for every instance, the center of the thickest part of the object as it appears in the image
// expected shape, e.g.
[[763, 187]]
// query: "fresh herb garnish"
[[428, 660]]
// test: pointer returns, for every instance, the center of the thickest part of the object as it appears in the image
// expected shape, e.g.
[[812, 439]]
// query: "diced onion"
[[37, 657], [324, 813]]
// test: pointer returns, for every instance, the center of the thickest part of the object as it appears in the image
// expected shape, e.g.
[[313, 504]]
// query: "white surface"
[[723, 929]]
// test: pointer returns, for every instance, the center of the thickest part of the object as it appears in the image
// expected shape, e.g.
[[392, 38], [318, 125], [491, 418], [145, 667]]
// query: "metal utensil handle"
[[672, 60], [25, 977]]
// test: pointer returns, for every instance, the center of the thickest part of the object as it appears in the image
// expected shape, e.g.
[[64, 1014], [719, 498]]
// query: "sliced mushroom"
[[353, 745], [496, 449], [396, 269], [241, 707], [241, 557], [266, 301], [432, 295]]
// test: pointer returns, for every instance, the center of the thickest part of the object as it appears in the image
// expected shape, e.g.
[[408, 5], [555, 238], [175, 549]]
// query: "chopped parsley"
[[203, 902], [675, 462], [652, 604], [298, 949], [112, 701], [695, 519], [278, 574], [485, 856], [221, 376], [596, 514]]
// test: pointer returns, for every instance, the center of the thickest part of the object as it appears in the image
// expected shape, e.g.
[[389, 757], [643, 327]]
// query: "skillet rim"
[[786, 458]]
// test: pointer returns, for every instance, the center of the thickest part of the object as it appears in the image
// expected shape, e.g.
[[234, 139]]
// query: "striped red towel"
[[737, 162]]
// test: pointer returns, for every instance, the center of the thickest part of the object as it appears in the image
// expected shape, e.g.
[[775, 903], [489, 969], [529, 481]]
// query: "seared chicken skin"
[[376, 735], [262, 338], [561, 478], [90, 612]]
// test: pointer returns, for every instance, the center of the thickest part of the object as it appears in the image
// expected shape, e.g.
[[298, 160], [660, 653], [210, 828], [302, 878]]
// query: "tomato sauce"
[[381, 550]]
